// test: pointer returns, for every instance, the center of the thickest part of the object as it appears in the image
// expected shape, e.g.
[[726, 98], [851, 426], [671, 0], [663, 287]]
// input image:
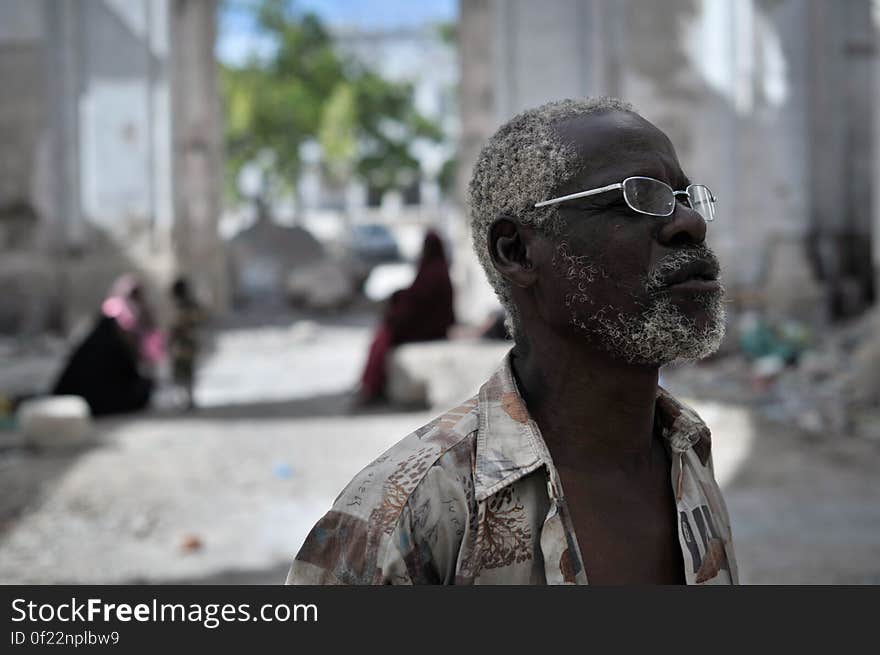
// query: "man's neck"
[[590, 407]]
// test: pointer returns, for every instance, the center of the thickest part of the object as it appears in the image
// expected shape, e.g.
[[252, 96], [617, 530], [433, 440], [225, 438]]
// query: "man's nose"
[[685, 227]]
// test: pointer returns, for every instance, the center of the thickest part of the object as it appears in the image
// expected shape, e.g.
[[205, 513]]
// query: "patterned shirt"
[[473, 497]]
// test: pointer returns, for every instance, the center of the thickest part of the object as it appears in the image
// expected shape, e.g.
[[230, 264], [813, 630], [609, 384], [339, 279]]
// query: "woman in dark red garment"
[[423, 312]]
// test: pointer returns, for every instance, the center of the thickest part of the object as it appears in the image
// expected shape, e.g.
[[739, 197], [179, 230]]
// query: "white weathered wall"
[[768, 103]]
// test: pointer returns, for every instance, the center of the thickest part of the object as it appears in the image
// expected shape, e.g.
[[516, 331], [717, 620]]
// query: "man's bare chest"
[[627, 533]]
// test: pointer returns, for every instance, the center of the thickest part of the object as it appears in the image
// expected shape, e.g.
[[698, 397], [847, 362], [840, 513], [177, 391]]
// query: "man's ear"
[[509, 246]]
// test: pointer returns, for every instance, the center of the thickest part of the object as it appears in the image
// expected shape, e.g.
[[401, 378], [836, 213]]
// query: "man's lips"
[[693, 285], [699, 275], [701, 269]]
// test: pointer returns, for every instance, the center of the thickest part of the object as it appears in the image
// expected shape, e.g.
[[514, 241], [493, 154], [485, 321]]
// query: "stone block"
[[54, 421], [442, 374]]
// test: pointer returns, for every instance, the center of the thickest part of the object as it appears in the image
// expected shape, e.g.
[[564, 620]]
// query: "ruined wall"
[[86, 190]]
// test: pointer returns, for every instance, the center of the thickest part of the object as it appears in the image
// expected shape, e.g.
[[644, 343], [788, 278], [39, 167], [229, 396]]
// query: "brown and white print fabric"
[[473, 497]]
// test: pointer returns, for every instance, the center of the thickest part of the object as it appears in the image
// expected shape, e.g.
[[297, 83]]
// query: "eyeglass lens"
[[702, 201], [650, 196]]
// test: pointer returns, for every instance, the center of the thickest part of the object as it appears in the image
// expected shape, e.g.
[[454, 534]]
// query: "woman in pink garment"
[[112, 367]]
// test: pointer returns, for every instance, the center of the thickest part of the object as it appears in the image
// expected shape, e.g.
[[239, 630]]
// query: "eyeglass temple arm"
[[580, 194]]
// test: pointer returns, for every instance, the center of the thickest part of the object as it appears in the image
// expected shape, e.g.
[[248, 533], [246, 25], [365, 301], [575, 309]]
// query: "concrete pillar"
[[159, 123], [197, 148], [477, 110], [477, 86], [875, 234], [63, 38], [841, 133], [543, 51], [22, 102]]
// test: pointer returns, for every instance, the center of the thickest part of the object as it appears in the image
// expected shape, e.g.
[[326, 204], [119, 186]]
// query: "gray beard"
[[658, 335]]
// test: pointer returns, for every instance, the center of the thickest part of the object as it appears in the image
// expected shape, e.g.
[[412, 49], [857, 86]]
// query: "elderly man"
[[571, 465]]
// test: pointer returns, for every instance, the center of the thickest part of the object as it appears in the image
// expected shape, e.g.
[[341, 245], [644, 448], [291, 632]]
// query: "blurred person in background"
[[571, 465], [183, 339], [112, 368], [422, 312]]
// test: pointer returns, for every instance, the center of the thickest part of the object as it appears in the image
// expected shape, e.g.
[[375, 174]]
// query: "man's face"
[[643, 288]]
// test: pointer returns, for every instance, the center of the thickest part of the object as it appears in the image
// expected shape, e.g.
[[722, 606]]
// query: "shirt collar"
[[509, 443]]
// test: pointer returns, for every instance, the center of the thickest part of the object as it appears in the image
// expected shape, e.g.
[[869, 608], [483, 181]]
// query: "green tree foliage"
[[308, 90]]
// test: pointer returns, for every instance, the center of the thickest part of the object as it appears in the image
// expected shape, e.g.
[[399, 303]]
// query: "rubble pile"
[[824, 383], [835, 387]]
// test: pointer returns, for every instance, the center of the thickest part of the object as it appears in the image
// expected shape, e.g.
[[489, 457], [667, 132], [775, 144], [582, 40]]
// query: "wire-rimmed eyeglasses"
[[646, 195]]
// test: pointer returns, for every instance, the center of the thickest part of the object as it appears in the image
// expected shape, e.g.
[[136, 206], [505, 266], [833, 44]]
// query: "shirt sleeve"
[[345, 549], [431, 527], [418, 544]]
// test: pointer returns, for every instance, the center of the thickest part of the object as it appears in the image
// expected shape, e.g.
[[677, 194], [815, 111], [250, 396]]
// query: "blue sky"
[[237, 36]]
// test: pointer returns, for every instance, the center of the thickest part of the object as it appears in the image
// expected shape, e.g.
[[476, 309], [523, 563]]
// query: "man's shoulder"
[[389, 480], [348, 542]]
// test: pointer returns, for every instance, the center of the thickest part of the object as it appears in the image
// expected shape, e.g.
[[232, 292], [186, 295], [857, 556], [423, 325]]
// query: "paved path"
[[805, 510]]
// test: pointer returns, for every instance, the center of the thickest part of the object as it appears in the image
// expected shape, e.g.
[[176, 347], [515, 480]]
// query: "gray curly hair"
[[521, 164]]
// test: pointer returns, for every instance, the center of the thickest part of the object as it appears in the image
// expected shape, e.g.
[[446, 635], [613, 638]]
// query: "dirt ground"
[[226, 495]]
